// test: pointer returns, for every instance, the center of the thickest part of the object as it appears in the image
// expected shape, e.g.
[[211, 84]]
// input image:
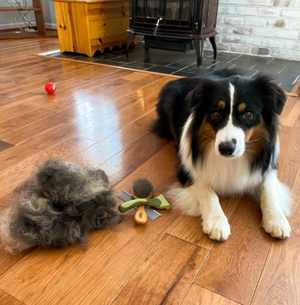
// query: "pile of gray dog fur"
[[58, 206]]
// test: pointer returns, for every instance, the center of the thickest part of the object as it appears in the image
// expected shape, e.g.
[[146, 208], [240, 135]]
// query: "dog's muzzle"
[[227, 148]]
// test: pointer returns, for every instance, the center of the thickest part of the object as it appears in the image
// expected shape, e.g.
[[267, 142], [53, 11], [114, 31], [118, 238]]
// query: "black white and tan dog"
[[226, 127]]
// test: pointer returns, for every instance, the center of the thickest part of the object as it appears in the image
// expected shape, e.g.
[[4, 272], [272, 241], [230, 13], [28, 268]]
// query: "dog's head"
[[236, 116]]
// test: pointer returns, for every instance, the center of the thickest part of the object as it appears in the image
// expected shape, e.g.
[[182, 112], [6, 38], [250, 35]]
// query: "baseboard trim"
[[51, 26]]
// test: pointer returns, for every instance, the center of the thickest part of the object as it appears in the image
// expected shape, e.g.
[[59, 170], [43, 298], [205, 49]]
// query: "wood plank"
[[4, 145], [170, 268], [127, 161], [190, 228], [279, 282], [37, 87], [234, 267], [288, 163], [35, 145], [6, 299], [46, 121], [296, 89], [111, 259], [112, 146], [166, 159], [27, 278], [73, 77], [289, 105], [66, 128], [293, 118], [11, 177], [201, 296]]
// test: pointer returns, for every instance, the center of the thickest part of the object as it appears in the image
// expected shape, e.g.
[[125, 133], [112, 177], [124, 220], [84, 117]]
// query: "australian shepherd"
[[226, 127]]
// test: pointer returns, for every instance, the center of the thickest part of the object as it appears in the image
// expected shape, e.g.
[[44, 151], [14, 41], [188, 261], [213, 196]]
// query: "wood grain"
[[279, 282], [4, 145], [201, 296], [6, 299], [190, 228], [231, 264], [111, 259], [61, 150], [101, 116], [85, 26], [178, 262]]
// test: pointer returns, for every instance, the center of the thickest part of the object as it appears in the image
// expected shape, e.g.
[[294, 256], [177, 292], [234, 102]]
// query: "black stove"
[[176, 25]]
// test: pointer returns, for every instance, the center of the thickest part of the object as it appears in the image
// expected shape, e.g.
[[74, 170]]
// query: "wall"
[[263, 27], [49, 13]]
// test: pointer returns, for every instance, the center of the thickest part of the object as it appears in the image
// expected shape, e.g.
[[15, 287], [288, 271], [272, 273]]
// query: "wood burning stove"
[[174, 24]]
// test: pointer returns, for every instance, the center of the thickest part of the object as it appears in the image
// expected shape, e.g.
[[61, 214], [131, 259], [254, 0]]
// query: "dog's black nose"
[[227, 148]]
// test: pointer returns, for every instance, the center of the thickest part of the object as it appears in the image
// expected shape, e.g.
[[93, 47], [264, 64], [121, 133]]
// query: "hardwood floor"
[[100, 117]]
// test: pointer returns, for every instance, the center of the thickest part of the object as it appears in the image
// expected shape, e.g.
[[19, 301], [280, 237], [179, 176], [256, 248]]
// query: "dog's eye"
[[216, 116], [248, 115]]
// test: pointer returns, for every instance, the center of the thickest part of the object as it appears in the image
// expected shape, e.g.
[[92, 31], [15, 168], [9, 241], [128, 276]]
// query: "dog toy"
[[159, 202], [141, 188], [58, 206], [50, 88]]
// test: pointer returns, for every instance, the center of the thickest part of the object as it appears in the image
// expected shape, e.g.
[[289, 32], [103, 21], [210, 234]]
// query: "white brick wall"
[[264, 27]]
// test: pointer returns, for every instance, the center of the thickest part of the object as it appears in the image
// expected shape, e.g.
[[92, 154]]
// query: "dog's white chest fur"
[[227, 176]]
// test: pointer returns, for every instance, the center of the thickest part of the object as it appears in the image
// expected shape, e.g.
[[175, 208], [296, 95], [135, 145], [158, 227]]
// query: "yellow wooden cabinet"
[[85, 26]]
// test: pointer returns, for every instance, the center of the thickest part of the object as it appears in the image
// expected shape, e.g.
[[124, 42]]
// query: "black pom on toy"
[[58, 206], [142, 188]]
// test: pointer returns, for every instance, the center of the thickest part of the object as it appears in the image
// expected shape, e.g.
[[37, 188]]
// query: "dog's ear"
[[274, 96]]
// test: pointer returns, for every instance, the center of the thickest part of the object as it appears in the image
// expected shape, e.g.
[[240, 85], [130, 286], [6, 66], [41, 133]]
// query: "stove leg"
[[213, 43], [199, 47], [129, 42]]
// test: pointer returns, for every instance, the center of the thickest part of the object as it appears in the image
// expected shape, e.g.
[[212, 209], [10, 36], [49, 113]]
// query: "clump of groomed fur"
[[58, 206]]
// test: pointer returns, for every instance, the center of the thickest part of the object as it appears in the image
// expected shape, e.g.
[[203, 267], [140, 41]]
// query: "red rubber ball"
[[50, 88]]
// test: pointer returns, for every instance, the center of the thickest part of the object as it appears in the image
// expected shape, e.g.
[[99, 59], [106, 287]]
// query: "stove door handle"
[[157, 25]]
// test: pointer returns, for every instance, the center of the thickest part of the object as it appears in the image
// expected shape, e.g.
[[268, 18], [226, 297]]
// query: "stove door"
[[163, 17]]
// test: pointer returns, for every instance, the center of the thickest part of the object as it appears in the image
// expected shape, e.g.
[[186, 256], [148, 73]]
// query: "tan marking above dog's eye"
[[242, 107], [221, 104]]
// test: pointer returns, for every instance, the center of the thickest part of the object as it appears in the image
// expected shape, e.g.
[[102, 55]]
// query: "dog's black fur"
[[175, 103], [179, 98], [226, 126]]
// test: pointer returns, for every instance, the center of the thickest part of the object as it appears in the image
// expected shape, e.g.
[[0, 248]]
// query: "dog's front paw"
[[278, 227], [217, 228]]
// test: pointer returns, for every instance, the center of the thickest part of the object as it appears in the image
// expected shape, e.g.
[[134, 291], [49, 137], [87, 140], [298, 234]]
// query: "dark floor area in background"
[[284, 72]]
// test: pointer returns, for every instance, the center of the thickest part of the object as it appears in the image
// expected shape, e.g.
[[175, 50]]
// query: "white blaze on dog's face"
[[230, 139], [229, 119]]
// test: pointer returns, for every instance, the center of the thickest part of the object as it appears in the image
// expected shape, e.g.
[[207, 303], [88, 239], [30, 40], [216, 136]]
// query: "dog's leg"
[[214, 221], [199, 199], [275, 205]]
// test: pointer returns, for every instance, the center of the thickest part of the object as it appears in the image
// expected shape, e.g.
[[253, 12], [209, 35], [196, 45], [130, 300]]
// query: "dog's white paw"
[[278, 227], [217, 228]]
